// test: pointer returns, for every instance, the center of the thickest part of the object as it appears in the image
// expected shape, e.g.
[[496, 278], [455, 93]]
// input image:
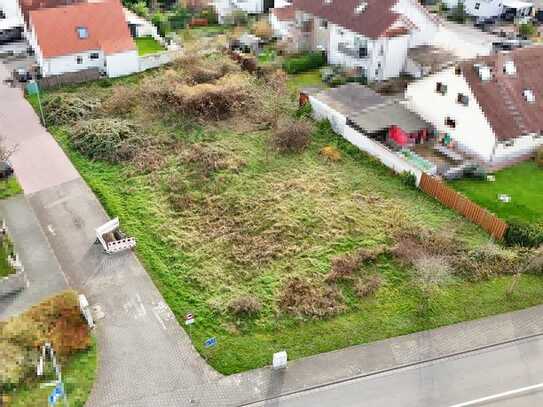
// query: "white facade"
[[472, 132], [11, 10], [122, 63], [386, 57], [71, 63], [225, 8], [484, 8], [281, 28]]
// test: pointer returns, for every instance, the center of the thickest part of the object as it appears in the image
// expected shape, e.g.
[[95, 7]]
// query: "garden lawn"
[[78, 375], [523, 182], [308, 79], [148, 45]]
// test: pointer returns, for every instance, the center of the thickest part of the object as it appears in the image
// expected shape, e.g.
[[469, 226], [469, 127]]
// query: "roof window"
[[82, 32], [529, 95], [485, 73], [509, 68], [361, 7]]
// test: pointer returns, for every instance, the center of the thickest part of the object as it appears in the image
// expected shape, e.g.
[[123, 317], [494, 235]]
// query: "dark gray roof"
[[382, 117], [348, 99]]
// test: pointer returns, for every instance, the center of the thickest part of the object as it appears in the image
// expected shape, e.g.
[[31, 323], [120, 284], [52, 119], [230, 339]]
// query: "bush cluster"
[[245, 305], [304, 62], [112, 140], [524, 234], [66, 109], [292, 136]]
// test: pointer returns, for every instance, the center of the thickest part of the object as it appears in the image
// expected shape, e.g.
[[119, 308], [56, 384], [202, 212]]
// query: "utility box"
[[279, 360]]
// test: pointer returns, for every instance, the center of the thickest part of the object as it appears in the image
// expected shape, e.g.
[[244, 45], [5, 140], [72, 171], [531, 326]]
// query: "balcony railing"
[[358, 53]]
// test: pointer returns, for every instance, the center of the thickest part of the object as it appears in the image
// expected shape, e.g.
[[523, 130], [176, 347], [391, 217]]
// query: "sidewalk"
[[42, 269]]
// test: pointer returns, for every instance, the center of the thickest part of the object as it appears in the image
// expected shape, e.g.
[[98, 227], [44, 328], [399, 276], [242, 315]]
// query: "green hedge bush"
[[524, 234], [304, 62]]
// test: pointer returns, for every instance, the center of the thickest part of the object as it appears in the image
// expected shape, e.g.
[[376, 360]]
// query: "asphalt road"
[[449, 382]]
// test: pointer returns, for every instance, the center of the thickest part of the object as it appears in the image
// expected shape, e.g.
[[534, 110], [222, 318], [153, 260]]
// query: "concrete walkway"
[[44, 275], [146, 359]]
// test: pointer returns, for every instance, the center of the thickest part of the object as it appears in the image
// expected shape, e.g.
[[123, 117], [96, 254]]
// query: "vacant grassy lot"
[[246, 238], [523, 183], [148, 45]]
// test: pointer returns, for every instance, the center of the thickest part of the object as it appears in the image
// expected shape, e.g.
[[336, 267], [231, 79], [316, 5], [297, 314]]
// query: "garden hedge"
[[304, 62], [524, 234]]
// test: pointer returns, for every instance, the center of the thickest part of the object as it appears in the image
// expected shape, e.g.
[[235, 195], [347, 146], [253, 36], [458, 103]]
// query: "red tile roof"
[[284, 13], [28, 5], [56, 29], [502, 99], [377, 18]]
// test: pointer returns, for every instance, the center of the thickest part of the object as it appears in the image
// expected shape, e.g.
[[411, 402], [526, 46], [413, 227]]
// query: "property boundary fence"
[[495, 226], [68, 78]]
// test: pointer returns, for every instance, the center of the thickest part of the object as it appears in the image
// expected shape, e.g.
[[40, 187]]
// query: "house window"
[[509, 68], [340, 31], [450, 122], [79, 60], [463, 99], [458, 70], [441, 88], [82, 32], [477, 6], [529, 95], [509, 143], [94, 55], [324, 24]]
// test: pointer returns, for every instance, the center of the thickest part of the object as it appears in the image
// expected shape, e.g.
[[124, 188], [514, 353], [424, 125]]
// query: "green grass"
[[248, 229], [5, 268], [78, 374], [523, 182], [9, 187], [148, 45], [308, 79]]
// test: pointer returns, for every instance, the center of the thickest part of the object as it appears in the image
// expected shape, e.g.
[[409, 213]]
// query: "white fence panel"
[[155, 60]]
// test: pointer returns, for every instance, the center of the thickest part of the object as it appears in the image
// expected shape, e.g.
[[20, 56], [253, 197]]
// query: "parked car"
[[6, 170]]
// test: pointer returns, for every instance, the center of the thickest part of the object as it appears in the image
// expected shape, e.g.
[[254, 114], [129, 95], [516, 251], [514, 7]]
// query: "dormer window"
[[463, 99], [509, 68], [485, 73], [82, 32], [441, 88], [529, 95]]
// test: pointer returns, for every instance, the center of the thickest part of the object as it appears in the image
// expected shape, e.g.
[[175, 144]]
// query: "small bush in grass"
[[535, 262], [486, 261], [306, 62], [292, 136], [16, 365], [262, 29], [539, 157], [122, 100], [368, 286], [244, 305], [344, 267], [65, 109], [430, 274], [409, 179], [303, 298], [524, 234], [331, 153], [208, 160], [112, 140]]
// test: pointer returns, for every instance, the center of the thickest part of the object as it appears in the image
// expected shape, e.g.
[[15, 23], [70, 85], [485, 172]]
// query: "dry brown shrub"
[[413, 244], [368, 286], [244, 305], [122, 100], [344, 267], [209, 101], [208, 160], [331, 153], [262, 29], [302, 298], [486, 261], [195, 69], [292, 136]]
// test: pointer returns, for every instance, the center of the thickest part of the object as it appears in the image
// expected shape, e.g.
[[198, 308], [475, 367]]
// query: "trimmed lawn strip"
[[9, 187], [78, 374], [193, 275], [523, 182], [148, 45], [308, 79]]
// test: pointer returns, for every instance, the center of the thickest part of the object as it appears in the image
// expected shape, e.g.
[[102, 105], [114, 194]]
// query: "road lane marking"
[[499, 396]]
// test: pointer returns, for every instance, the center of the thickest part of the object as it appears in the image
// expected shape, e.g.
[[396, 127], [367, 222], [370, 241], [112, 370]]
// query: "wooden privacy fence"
[[452, 199], [68, 78]]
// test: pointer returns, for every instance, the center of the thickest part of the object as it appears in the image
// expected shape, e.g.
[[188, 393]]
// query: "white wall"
[[426, 26], [487, 8], [68, 63], [520, 146], [321, 111], [281, 29], [155, 60], [473, 132], [388, 157], [11, 9], [122, 63]]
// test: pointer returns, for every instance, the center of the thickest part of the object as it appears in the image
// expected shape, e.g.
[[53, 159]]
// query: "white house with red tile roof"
[[372, 36], [80, 36]]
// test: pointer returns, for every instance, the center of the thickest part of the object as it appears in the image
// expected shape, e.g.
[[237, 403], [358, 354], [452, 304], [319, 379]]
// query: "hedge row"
[[304, 62], [524, 234]]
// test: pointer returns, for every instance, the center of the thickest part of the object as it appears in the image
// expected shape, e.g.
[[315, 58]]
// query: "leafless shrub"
[[431, 272], [262, 29], [535, 262], [292, 136], [413, 244], [344, 267], [122, 100], [244, 305], [368, 286], [209, 160], [302, 298], [197, 70]]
